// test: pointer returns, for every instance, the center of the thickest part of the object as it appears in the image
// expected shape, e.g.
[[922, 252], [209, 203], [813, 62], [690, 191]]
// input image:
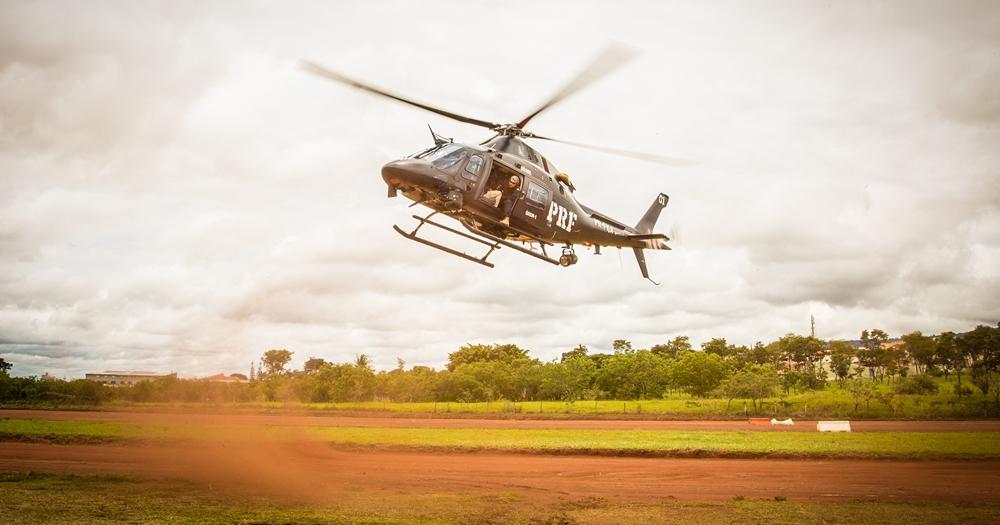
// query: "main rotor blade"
[[659, 159], [483, 143], [613, 57], [319, 70]]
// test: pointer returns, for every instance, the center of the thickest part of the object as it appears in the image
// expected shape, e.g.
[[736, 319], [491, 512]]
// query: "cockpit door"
[[534, 203], [475, 173]]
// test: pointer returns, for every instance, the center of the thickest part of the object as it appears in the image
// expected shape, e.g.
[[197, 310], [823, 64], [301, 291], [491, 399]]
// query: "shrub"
[[921, 384], [962, 390]]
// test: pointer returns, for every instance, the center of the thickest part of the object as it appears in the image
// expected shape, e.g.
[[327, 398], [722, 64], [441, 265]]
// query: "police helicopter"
[[507, 194]]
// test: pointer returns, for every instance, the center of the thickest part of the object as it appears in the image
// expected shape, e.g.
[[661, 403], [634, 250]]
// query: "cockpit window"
[[447, 156], [437, 153], [423, 153], [472, 167], [537, 194]]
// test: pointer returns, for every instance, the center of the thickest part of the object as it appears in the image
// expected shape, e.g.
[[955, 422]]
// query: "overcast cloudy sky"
[[176, 195]]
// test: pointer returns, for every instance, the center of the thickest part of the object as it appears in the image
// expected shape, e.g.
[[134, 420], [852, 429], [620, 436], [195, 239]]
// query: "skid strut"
[[493, 242], [427, 220], [503, 242]]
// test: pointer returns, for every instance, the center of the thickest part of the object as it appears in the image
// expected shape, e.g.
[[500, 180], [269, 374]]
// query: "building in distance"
[[129, 378], [231, 378]]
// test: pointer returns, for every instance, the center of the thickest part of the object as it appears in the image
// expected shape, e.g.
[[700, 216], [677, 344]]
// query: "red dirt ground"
[[334, 420], [315, 470], [301, 467]]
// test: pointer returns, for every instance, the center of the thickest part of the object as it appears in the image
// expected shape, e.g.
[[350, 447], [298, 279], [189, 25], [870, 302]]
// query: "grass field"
[[831, 402], [31, 498], [630, 442]]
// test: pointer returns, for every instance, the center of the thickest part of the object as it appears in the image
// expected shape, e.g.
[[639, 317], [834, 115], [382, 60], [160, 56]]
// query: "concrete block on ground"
[[833, 426]]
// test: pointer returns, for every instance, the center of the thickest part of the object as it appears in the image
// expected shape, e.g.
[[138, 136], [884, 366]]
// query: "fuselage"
[[455, 178]]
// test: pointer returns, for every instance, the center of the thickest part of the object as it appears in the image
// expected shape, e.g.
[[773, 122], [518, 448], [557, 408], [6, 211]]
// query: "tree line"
[[494, 372]]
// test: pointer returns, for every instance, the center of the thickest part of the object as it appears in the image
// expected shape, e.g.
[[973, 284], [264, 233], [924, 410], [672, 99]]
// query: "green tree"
[[343, 382], [313, 364], [754, 383], [621, 346], [4, 366], [981, 349], [921, 349], [472, 353], [894, 361], [841, 359], [698, 373], [870, 355], [639, 374], [459, 385], [611, 375], [495, 377], [568, 380], [801, 351], [948, 356], [861, 390], [528, 376], [719, 347], [416, 384], [579, 351], [677, 346], [741, 356], [761, 354], [274, 361]]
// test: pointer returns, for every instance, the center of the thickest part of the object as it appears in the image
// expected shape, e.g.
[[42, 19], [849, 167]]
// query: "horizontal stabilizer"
[[648, 237]]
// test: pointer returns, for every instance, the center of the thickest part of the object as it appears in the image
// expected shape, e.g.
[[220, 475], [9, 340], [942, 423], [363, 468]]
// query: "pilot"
[[508, 196]]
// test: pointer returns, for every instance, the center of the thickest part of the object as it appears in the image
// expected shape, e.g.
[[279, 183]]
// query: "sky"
[[176, 195]]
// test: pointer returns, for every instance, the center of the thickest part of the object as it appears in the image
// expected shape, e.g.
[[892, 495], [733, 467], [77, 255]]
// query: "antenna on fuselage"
[[438, 139]]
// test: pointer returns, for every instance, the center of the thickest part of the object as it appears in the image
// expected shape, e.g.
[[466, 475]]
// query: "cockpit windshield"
[[447, 156]]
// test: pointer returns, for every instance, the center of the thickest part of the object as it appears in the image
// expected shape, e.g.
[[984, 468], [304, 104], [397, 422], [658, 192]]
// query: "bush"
[[921, 384], [803, 380]]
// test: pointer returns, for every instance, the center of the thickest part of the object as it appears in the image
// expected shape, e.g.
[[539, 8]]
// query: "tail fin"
[[648, 220], [645, 229], [641, 259]]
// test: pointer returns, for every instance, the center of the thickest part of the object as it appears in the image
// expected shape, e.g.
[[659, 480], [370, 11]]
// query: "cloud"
[[178, 196]]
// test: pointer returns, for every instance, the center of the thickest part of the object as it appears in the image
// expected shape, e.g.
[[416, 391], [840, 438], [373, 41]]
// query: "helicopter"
[[467, 183]]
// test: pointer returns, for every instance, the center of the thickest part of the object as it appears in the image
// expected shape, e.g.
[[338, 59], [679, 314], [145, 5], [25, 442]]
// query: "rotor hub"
[[510, 130]]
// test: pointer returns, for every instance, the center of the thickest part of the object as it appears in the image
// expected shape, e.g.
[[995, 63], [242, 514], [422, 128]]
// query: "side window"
[[471, 171], [527, 153], [537, 195]]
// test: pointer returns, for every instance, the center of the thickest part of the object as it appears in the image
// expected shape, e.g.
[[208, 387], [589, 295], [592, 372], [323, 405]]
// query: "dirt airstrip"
[[312, 469], [298, 469]]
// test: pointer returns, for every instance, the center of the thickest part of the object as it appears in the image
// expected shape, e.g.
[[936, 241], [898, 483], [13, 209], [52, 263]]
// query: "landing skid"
[[493, 242]]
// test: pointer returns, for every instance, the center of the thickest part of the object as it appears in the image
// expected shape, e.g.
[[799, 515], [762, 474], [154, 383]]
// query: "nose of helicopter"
[[412, 173]]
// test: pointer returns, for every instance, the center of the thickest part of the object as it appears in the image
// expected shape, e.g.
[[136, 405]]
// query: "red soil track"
[[314, 470], [334, 420]]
